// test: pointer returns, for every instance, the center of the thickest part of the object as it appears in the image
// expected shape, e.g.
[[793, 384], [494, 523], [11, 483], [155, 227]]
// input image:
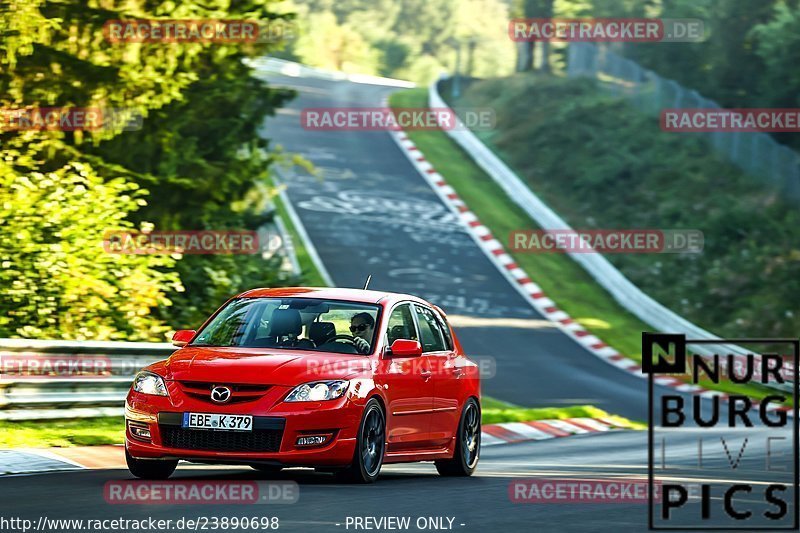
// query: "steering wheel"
[[342, 337]]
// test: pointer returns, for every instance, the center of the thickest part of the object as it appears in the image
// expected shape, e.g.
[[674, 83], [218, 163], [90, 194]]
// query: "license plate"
[[217, 421]]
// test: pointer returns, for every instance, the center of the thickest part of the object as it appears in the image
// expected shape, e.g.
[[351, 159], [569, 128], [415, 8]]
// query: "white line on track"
[[301, 230]]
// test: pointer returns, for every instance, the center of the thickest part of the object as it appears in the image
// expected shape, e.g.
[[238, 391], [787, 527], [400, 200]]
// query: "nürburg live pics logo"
[[722, 445]]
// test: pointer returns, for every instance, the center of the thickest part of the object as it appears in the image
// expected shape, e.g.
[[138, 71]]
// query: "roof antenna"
[[367, 283]]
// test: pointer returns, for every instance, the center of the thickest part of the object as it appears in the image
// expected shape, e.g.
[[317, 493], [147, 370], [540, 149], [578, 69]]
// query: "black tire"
[[267, 469], [468, 443], [150, 468], [370, 447]]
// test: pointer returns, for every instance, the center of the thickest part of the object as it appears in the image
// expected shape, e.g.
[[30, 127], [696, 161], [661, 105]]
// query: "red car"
[[342, 380]]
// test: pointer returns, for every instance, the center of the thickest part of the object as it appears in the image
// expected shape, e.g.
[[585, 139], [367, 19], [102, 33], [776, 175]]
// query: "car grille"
[[239, 393], [258, 440]]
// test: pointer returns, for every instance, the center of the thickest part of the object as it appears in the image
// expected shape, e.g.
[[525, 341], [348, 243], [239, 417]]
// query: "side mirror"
[[182, 337], [405, 348]]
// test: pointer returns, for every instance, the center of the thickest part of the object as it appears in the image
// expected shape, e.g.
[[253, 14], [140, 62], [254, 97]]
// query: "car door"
[[437, 348], [409, 386]]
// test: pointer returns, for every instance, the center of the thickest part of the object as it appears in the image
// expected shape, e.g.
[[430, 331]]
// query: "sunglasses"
[[360, 327]]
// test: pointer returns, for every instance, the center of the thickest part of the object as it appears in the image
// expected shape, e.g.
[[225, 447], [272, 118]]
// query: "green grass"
[[62, 433], [111, 429], [309, 272], [600, 162], [561, 279], [495, 412], [487, 402]]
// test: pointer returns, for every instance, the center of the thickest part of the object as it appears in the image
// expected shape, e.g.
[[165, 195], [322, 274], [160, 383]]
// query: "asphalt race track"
[[370, 213], [481, 503]]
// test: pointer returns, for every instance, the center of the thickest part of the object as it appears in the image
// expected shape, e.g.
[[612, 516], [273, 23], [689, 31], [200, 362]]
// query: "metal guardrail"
[[273, 65], [757, 154], [628, 295], [44, 379]]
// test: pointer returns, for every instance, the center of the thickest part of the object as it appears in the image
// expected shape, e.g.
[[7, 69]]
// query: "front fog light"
[[139, 431], [312, 440]]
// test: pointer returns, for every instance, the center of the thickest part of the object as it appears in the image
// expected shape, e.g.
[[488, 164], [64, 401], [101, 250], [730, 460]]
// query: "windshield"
[[293, 323]]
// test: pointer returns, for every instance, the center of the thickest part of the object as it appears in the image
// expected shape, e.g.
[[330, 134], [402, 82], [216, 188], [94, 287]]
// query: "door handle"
[[426, 374]]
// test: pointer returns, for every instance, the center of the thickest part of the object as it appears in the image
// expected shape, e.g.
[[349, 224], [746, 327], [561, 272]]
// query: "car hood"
[[260, 366]]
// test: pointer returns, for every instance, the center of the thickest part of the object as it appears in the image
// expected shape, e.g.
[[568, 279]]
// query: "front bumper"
[[276, 427]]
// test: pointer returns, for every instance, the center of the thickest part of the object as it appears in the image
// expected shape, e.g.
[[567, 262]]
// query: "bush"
[[601, 164]]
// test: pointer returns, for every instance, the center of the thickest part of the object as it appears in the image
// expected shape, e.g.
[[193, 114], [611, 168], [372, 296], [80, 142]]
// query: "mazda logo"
[[220, 394]]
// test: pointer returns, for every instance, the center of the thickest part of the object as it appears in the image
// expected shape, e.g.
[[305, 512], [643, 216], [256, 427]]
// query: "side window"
[[401, 324], [448, 341], [430, 331]]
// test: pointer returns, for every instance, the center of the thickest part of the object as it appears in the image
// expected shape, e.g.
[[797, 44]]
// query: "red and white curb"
[[520, 279], [510, 432]]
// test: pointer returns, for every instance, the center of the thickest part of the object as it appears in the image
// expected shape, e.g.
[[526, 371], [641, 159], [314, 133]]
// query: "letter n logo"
[[663, 353]]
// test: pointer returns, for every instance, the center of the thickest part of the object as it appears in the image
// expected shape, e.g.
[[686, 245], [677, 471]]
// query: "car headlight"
[[317, 391], [149, 383]]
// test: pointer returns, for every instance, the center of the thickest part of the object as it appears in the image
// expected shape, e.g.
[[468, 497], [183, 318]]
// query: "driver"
[[361, 326]]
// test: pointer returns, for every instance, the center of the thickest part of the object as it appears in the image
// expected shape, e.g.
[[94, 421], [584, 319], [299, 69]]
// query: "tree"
[[198, 153], [326, 43], [57, 279], [541, 9], [411, 39], [777, 43]]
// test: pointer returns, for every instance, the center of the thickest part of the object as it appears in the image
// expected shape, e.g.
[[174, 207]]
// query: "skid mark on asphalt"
[[386, 219]]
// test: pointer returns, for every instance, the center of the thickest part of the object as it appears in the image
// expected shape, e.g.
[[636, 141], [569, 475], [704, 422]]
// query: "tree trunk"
[[544, 66], [524, 57]]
